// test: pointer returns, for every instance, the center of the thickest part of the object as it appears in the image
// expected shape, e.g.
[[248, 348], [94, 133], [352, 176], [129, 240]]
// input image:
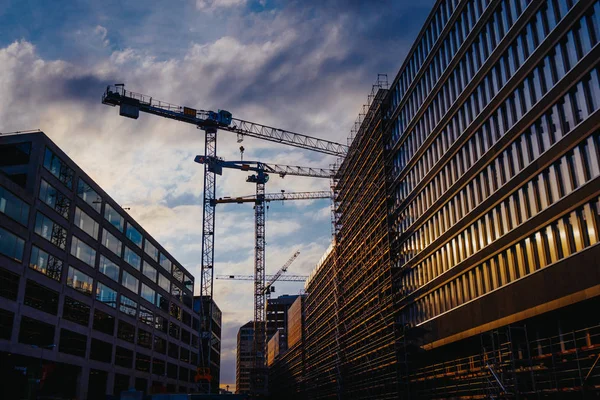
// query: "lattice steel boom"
[[284, 278]]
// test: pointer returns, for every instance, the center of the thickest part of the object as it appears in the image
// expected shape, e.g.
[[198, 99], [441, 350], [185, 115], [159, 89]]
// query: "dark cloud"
[[87, 88]]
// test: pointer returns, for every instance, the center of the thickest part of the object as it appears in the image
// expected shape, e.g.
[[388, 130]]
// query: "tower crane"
[[324, 194], [132, 103], [285, 278], [269, 286]]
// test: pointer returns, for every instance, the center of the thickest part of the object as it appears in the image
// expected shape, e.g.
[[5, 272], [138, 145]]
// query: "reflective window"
[[111, 242], [89, 195], [109, 268], [165, 262], [162, 302], [147, 293], [6, 324], [175, 311], [58, 168], [11, 245], [162, 324], [55, 199], [189, 283], [86, 223], [132, 258], [50, 231], [72, 343], [129, 281], [106, 295], [79, 281], [45, 263], [149, 271], [76, 311], [13, 207], [41, 298], [134, 235], [112, 216], [127, 306], [177, 274], [173, 350], [174, 330], [104, 322], [142, 363], [164, 282], [82, 251], [146, 316], [151, 250]]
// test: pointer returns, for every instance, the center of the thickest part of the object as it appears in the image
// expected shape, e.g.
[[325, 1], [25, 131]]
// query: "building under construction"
[[466, 218]]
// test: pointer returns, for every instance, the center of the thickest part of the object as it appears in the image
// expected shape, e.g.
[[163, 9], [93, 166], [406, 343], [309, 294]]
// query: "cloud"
[[304, 66]]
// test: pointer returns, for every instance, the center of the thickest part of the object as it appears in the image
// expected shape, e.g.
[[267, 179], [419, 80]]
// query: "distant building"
[[277, 318], [90, 303], [211, 348], [244, 358]]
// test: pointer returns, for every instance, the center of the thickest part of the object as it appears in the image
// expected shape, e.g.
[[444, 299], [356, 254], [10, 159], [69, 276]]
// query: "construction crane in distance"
[[269, 286], [324, 194], [131, 104], [285, 278]]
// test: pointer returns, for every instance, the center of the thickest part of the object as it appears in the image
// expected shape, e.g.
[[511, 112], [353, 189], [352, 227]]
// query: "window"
[[189, 283], [177, 274], [58, 168], [55, 199], [185, 336], [186, 318], [184, 355], [100, 351], [144, 339], [106, 295], [174, 330], [161, 324], [112, 216], [134, 235], [72, 343], [86, 223], [146, 316], [50, 231], [6, 324], [128, 306], [147, 293], [36, 332], [149, 271], [129, 281], [104, 322], [151, 250], [173, 350], [11, 245], [165, 262], [13, 207], [45, 263], [176, 291], [82, 251], [9, 284], [89, 195], [109, 268], [142, 363], [160, 345], [123, 358], [171, 370], [162, 302], [126, 332], [164, 282], [41, 298], [76, 311], [158, 367], [175, 311], [132, 258], [111, 242], [79, 281]]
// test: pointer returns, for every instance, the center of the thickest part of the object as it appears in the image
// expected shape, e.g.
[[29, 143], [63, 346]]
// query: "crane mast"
[[132, 103]]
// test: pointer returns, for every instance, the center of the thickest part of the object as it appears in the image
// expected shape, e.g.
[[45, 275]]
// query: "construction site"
[[465, 220]]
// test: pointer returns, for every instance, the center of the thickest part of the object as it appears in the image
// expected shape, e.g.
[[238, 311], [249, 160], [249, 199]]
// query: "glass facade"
[[83, 251], [106, 295], [86, 223], [109, 268], [50, 230], [13, 207], [45, 263], [55, 199], [11, 245], [79, 281], [59, 168], [89, 195], [112, 216]]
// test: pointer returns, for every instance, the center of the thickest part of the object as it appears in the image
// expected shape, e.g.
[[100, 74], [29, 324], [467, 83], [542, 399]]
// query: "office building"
[[244, 358], [277, 318], [90, 303], [211, 349], [466, 216]]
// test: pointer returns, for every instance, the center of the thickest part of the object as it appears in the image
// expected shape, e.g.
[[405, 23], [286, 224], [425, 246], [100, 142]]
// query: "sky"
[[305, 66]]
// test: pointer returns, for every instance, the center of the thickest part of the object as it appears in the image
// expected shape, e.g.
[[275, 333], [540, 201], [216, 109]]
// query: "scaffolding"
[[549, 357]]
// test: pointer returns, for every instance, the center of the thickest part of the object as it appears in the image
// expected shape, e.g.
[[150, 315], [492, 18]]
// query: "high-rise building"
[[244, 358], [277, 318], [465, 262], [90, 303]]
